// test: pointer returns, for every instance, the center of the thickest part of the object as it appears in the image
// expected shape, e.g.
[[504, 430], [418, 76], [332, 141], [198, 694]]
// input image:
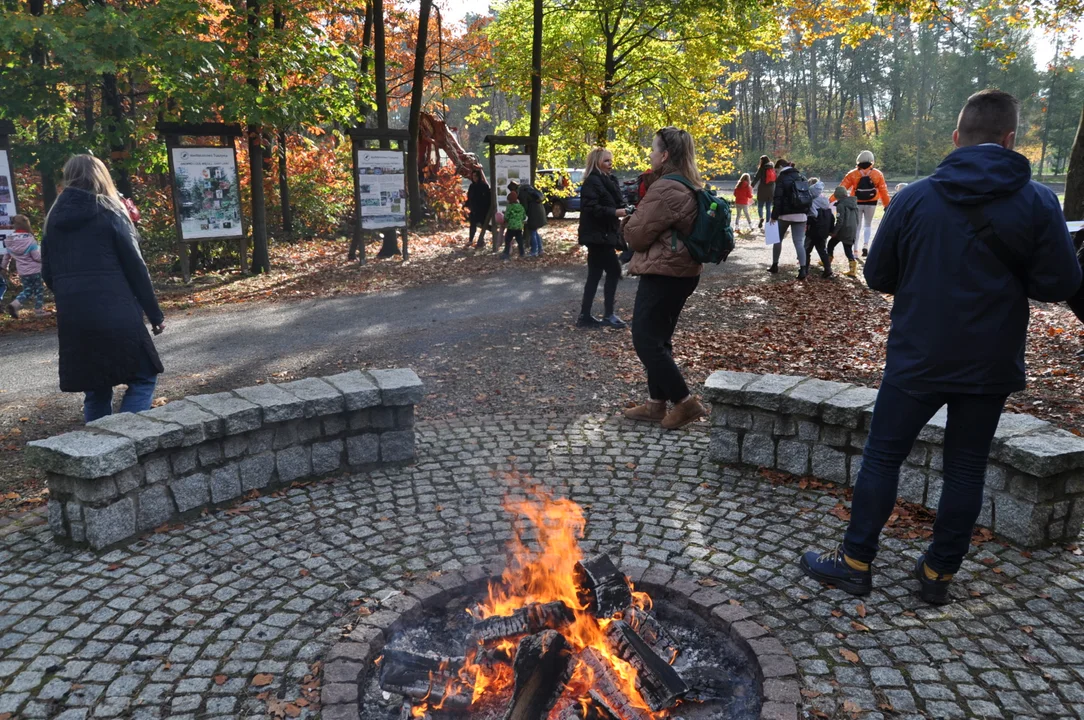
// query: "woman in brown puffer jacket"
[[667, 278]]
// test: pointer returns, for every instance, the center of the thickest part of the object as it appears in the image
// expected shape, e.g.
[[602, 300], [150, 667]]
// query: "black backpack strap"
[[1013, 261]]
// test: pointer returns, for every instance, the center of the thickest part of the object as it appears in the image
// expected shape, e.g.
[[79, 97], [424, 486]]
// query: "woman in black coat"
[[479, 197], [91, 262], [601, 210]]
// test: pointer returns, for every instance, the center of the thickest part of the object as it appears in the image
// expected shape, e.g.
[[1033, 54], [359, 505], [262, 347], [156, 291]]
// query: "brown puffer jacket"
[[667, 205]]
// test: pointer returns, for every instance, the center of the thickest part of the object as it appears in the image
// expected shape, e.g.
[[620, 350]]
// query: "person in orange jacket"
[[867, 184]]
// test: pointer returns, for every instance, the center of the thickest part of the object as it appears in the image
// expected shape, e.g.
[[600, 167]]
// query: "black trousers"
[[509, 236], [659, 301], [477, 225], [601, 258], [847, 247], [813, 240]]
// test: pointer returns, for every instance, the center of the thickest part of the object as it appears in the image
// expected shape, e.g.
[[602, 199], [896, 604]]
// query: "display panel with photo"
[[7, 195], [381, 188], [207, 192], [510, 168]]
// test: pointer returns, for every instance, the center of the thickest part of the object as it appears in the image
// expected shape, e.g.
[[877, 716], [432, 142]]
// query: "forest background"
[[815, 81]]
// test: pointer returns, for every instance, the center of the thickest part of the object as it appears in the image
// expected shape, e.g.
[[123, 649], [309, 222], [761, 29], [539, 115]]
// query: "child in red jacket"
[[743, 198]]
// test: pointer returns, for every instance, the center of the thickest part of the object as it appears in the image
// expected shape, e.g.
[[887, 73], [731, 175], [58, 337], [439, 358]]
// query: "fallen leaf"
[[220, 679], [263, 679], [861, 610], [848, 655], [859, 626]]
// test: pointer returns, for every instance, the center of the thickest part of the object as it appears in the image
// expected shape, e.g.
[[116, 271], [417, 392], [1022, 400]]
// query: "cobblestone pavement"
[[179, 624]]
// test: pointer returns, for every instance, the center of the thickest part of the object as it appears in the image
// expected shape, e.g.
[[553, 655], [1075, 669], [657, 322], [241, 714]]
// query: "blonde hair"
[[88, 173], [20, 223], [744, 178], [594, 161], [682, 154]]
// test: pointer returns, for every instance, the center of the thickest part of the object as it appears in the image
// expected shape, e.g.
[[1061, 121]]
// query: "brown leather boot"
[[650, 411], [687, 411]]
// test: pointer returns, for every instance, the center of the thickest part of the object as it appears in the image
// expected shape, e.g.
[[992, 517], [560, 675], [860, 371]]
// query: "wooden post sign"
[[206, 188], [380, 192], [505, 168], [9, 202]]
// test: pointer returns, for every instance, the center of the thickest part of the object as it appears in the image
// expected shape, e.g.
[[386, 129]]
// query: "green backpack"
[[712, 237]]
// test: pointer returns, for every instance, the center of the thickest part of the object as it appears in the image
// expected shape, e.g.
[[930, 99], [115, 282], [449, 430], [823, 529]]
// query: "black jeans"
[[898, 417], [509, 236], [601, 258], [847, 247], [659, 301], [477, 225]]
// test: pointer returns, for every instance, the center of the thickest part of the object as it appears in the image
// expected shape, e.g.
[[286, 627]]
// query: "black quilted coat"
[[91, 262]]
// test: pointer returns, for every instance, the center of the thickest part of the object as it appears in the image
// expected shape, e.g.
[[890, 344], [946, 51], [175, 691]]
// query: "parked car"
[[562, 188]]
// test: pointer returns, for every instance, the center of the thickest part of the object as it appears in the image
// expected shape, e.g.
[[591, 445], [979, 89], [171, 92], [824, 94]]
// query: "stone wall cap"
[[198, 424], [238, 415], [1044, 453], [847, 407], [82, 454], [398, 386], [276, 404], [358, 389], [147, 433], [805, 397], [724, 385], [320, 397], [767, 391]]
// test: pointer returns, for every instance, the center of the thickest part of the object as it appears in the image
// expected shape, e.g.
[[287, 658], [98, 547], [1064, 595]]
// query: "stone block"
[[184, 461], [234, 446], [156, 470], [326, 456], [198, 424], [758, 450], [397, 446], [308, 430], [238, 415], [111, 524], [724, 446], [286, 436], [1012, 424], [82, 454], [766, 392], [73, 511], [1074, 522], [829, 464], [276, 405], [934, 430], [786, 426], [147, 434], [1032, 489], [805, 397], [320, 397], [56, 518], [225, 483], [1044, 453], [1020, 521], [382, 418], [210, 453], [934, 482], [845, 408], [919, 455], [154, 508], [739, 419], [398, 386], [97, 490], [725, 386], [358, 389], [854, 466], [997, 477], [858, 439], [937, 459], [128, 480], [835, 436], [260, 440], [334, 425], [363, 449], [404, 417], [359, 420], [763, 423], [986, 514], [912, 486], [792, 456], [256, 471], [78, 532], [190, 492], [808, 431], [293, 464]]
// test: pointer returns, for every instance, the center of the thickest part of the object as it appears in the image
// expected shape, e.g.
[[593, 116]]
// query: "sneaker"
[[588, 321], [865, 252], [13, 309], [613, 321], [832, 568], [932, 590], [688, 410], [650, 411]]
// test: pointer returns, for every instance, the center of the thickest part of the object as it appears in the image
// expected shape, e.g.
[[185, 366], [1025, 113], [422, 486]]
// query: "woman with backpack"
[[764, 184], [601, 210], [668, 276], [790, 208], [867, 185]]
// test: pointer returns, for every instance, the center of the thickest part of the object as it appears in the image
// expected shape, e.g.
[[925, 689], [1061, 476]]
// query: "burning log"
[[528, 620], [409, 712], [425, 677], [602, 587], [607, 689], [586, 708], [657, 681], [651, 631], [541, 671]]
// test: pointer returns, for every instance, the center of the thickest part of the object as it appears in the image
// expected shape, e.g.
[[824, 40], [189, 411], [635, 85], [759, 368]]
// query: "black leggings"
[[601, 258], [477, 225], [847, 247], [659, 301]]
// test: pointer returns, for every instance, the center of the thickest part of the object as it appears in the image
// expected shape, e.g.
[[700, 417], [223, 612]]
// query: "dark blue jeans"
[[898, 417], [137, 398]]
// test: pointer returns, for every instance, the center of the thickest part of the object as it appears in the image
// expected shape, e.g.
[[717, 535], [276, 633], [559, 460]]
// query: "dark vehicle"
[[562, 188]]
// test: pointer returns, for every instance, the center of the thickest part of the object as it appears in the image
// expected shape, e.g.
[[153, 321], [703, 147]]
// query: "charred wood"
[[541, 670], [651, 631], [607, 689], [602, 587], [425, 677], [657, 681], [528, 620]]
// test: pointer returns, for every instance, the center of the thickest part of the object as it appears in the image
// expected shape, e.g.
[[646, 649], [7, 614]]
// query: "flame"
[[420, 710]]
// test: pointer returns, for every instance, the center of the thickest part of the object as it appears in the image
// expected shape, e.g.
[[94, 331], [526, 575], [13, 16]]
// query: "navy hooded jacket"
[[960, 316]]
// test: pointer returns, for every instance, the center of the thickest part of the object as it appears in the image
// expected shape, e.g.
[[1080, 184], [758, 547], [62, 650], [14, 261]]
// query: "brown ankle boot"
[[650, 411], [685, 412]]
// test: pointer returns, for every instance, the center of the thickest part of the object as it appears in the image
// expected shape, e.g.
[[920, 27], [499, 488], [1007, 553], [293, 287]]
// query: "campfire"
[[559, 636]]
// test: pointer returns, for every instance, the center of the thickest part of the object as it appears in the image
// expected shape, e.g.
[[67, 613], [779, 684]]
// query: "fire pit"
[[567, 637]]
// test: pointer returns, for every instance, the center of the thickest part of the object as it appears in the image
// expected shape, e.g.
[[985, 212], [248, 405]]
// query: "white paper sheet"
[[771, 233]]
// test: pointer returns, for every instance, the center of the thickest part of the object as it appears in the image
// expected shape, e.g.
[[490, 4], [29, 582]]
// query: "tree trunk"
[[1074, 178], [536, 84], [365, 106], [417, 92], [261, 260], [116, 135], [38, 56], [390, 246], [284, 188]]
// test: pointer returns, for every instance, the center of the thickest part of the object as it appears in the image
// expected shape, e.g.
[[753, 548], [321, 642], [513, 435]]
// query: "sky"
[[456, 10]]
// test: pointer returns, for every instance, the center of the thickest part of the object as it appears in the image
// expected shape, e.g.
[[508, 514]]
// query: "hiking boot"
[[688, 410], [774, 268], [853, 268], [865, 252], [613, 321], [650, 411], [803, 272], [827, 271], [13, 309], [761, 225], [934, 590], [588, 321], [832, 568]]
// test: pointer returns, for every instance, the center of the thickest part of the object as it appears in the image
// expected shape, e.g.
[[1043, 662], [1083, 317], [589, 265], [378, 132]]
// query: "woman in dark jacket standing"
[[601, 210], [91, 262], [479, 197], [765, 189]]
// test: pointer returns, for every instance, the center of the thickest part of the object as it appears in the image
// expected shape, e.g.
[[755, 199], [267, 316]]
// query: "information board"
[[382, 195], [510, 168], [207, 192], [7, 196]]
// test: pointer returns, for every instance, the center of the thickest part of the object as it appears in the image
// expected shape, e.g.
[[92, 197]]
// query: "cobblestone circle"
[[178, 624]]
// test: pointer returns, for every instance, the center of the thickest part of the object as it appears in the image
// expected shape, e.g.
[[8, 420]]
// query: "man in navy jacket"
[[959, 325]]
